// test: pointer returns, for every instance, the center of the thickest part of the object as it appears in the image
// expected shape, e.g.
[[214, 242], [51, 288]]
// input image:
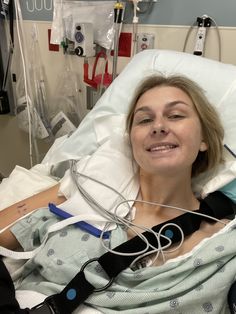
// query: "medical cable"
[[118, 16], [174, 207], [188, 34], [218, 35], [32, 139], [17, 13], [73, 172], [113, 217], [155, 249], [135, 22], [87, 196], [62, 224], [39, 85], [161, 251], [168, 206], [128, 224], [72, 220], [123, 221], [178, 246], [10, 48]]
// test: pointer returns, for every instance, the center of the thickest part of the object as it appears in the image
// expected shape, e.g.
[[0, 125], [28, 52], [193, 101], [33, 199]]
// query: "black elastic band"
[[215, 205], [74, 294]]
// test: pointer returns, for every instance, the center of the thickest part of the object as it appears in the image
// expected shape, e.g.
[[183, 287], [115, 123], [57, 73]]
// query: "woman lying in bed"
[[175, 134]]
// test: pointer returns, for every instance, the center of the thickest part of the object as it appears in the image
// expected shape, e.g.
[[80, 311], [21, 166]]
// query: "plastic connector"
[[135, 19]]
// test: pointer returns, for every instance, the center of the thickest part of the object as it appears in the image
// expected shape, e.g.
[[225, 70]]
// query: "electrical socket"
[[145, 41]]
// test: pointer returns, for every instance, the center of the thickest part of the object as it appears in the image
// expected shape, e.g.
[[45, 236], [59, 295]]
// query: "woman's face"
[[166, 133]]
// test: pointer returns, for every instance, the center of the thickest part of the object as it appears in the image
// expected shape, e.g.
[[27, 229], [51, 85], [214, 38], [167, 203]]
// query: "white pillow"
[[216, 78]]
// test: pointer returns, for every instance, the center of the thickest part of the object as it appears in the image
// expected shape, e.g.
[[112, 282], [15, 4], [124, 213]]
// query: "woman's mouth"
[[161, 147]]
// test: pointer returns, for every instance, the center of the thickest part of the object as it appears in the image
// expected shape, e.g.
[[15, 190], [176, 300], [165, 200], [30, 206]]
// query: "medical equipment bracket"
[[105, 79], [215, 205]]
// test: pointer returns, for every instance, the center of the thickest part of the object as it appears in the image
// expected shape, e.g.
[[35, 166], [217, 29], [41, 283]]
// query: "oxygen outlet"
[[145, 41]]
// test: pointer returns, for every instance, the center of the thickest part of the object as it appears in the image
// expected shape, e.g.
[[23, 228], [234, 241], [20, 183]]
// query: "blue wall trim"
[[164, 12]]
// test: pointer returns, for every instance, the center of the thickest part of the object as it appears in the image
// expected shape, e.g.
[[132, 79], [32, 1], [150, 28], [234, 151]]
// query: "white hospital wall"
[[15, 144]]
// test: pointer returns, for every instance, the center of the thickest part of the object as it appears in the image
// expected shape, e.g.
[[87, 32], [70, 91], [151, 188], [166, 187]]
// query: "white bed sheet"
[[23, 183]]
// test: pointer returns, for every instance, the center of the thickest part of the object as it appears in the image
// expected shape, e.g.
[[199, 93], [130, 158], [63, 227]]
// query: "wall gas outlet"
[[84, 40], [145, 41], [200, 41]]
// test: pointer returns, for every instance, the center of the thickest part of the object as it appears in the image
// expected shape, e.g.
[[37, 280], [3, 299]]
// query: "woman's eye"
[[176, 116], [145, 120]]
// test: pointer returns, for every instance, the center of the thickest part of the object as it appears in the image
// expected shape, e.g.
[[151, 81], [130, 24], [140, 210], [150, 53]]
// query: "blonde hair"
[[212, 129]]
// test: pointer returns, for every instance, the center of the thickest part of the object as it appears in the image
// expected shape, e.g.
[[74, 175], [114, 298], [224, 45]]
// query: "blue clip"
[[81, 224]]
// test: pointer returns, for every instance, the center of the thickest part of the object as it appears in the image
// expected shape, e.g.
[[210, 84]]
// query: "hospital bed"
[[108, 116]]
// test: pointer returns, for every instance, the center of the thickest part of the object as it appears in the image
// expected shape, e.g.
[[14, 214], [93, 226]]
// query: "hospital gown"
[[197, 282]]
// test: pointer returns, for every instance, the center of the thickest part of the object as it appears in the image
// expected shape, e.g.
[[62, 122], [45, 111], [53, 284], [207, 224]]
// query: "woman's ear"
[[203, 146]]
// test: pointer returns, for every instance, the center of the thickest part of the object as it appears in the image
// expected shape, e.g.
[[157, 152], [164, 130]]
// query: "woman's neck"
[[167, 191]]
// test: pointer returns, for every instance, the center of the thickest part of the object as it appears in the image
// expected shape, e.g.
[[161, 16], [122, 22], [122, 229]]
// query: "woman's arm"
[[19, 209]]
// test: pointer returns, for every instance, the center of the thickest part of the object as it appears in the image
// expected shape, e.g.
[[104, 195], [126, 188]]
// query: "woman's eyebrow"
[[167, 105], [176, 102], [143, 109]]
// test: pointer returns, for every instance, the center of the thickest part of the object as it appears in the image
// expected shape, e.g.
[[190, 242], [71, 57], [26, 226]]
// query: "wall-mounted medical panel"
[[162, 12]]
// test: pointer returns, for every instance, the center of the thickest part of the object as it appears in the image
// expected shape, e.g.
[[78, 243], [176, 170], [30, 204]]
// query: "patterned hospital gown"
[[197, 282]]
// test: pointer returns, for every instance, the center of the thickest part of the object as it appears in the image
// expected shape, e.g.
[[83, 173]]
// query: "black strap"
[[8, 302], [232, 298], [65, 302], [75, 293], [216, 205]]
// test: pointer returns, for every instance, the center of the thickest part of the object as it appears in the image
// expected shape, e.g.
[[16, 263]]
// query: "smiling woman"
[[175, 134], [192, 96]]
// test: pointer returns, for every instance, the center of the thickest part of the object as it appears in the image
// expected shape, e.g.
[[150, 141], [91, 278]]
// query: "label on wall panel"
[[37, 10]]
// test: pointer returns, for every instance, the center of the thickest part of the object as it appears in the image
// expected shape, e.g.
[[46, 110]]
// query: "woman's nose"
[[159, 128]]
